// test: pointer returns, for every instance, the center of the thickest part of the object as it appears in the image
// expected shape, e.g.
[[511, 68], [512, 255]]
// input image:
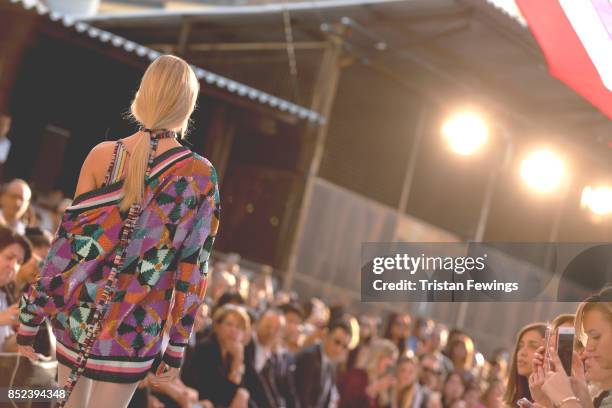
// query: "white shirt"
[[261, 354], [5, 331], [19, 227], [5, 148]]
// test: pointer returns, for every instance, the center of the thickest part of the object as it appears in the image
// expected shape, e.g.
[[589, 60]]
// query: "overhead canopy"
[[466, 49], [207, 77]]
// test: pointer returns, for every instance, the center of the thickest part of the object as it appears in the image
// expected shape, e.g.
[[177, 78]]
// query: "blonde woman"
[[217, 366], [407, 392], [128, 264], [370, 386], [594, 331]]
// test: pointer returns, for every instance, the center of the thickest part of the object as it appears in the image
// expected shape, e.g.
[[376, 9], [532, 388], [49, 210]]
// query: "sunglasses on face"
[[431, 370]]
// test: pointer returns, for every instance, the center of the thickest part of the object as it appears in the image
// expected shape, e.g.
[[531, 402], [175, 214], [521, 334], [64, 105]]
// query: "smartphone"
[[565, 347], [547, 338]]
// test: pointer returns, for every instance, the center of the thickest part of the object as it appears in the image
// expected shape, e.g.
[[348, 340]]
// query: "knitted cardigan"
[[162, 281]]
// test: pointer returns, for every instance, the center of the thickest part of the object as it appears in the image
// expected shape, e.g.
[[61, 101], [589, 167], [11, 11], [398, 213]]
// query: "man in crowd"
[[294, 319], [431, 373], [316, 366], [267, 378], [14, 204]]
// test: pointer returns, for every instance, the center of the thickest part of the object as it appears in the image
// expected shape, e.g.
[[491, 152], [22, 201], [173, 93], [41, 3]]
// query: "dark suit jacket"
[[273, 386], [308, 378], [206, 372]]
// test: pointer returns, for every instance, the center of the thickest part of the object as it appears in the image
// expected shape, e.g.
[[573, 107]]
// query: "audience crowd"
[[254, 346]]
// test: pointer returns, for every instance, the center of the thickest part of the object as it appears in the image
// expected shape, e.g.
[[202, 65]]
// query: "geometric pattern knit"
[[160, 285]]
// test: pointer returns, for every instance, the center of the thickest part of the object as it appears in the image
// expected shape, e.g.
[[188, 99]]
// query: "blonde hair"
[[378, 349], [602, 302], [165, 100], [230, 309]]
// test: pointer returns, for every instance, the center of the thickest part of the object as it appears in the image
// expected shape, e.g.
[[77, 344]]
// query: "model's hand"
[[28, 351], [164, 374]]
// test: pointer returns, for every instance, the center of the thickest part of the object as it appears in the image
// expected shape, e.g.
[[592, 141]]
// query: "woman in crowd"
[[407, 392], [369, 386], [461, 353], [472, 395], [492, 396], [15, 250], [130, 257], [397, 330], [453, 389], [594, 331], [217, 364], [536, 378], [529, 339]]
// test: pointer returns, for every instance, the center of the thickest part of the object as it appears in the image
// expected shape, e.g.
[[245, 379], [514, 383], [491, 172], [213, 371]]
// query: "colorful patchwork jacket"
[[162, 281]]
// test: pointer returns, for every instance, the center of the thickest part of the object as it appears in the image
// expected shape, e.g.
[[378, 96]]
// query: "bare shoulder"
[[94, 167], [102, 149], [99, 156]]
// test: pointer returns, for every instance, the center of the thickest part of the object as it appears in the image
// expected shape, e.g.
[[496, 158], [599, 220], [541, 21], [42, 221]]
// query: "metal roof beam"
[[240, 46]]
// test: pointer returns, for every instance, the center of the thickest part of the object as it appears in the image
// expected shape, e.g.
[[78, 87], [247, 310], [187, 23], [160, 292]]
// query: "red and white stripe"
[[575, 37]]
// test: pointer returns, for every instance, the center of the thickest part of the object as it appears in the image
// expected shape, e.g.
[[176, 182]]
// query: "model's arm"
[[192, 269]]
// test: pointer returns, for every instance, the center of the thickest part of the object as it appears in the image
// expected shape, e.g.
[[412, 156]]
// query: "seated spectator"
[[407, 392], [222, 281], [30, 271], [436, 343], [283, 297], [397, 330], [492, 396], [453, 389], [216, 367], [261, 289], [472, 395], [14, 204], [266, 385], [294, 317], [369, 386], [14, 251], [431, 372], [316, 364], [316, 320], [423, 328], [530, 338], [368, 332]]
